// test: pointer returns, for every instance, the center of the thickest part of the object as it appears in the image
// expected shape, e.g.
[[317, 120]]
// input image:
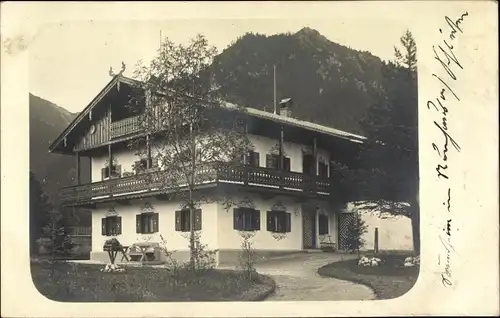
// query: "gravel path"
[[297, 279]]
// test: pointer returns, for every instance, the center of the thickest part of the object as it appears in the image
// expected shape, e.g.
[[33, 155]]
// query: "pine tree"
[[390, 156], [39, 207]]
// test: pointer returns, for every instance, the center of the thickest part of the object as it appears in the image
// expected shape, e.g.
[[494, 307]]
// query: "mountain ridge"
[[330, 84]]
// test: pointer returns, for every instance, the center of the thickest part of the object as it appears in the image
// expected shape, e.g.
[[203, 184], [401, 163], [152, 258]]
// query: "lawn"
[[389, 280], [73, 282]]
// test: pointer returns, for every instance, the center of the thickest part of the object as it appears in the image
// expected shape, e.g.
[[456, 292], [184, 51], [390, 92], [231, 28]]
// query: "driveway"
[[297, 279]]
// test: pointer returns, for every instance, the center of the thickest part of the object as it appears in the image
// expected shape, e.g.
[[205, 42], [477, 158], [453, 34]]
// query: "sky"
[[70, 60]]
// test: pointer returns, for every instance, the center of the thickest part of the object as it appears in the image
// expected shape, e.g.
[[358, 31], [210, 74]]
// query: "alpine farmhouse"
[[294, 204]]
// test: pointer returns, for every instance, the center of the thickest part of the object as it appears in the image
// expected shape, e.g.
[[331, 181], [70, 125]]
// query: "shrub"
[[355, 230], [58, 242], [247, 256]]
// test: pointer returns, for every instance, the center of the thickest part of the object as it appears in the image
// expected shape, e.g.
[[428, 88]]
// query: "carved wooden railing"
[[208, 172], [125, 127]]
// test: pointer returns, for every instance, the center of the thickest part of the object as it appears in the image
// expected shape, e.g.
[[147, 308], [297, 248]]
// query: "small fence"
[[80, 231]]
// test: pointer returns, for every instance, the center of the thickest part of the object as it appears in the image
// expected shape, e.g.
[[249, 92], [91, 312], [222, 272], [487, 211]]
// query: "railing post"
[[245, 174]]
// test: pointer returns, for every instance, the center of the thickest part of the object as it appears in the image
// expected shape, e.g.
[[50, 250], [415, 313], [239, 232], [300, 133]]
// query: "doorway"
[[309, 228], [308, 164]]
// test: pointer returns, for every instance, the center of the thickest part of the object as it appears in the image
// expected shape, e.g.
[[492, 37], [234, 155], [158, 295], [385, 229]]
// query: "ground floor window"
[[278, 221], [246, 219], [111, 225], [147, 223], [323, 224], [183, 221]]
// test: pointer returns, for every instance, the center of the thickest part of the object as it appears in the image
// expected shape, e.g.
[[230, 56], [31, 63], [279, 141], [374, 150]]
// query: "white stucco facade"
[[394, 232], [262, 145], [176, 240]]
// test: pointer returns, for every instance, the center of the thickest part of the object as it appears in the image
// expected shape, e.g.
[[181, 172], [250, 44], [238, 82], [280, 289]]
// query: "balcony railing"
[[207, 173], [125, 127]]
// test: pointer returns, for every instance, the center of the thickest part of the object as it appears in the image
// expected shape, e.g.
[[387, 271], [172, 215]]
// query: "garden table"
[[143, 246]]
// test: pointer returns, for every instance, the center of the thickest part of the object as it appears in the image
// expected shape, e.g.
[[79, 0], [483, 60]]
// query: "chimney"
[[286, 107]]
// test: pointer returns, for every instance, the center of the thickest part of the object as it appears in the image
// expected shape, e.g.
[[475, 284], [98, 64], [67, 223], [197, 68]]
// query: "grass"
[[73, 282], [388, 280]]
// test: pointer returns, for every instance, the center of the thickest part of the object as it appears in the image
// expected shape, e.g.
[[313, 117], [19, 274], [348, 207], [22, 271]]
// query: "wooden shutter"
[[155, 222], [118, 170], [288, 222], [154, 162], [138, 227], [270, 223], [103, 173], [236, 218], [269, 161], [118, 225], [197, 219], [103, 226], [286, 163], [255, 159], [178, 221], [256, 220]]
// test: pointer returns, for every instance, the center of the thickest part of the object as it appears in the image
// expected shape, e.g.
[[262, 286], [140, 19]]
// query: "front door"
[[309, 229]]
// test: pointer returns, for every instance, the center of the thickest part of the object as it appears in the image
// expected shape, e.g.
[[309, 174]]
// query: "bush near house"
[[73, 282], [390, 279]]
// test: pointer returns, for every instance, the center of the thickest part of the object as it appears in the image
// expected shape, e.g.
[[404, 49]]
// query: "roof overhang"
[[59, 144]]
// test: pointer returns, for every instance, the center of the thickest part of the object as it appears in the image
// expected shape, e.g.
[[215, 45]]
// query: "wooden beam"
[[78, 168], [123, 202], [281, 154], [315, 155], [162, 197], [148, 148]]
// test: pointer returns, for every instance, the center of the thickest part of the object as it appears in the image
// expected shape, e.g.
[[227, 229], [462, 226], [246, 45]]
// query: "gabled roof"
[[250, 111], [116, 79]]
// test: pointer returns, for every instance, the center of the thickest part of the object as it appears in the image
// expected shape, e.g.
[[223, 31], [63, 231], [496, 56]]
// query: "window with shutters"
[[111, 225], [246, 219], [147, 223], [323, 224], [279, 221], [115, 172], [323, 169], [183, 221], [141, 166], [253, 159], [272, 161]]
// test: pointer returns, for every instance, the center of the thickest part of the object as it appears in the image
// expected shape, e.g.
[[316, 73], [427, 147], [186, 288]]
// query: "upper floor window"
[[252, 159], [144, 164], [278, 221], [273, 162], [111, 225], [116, 171], [322, 169]]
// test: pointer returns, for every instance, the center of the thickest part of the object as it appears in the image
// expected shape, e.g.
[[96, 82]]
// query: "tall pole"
[[274, 87]]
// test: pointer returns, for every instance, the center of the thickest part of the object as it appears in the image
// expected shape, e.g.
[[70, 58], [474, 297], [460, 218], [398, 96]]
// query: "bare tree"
[[187, 131]]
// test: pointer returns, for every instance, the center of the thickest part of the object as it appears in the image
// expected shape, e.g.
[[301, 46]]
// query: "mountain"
[[53, 171], [330, 84]]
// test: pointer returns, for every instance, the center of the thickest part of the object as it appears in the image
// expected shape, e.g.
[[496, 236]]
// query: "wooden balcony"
[[125, 127], [213, 173]]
